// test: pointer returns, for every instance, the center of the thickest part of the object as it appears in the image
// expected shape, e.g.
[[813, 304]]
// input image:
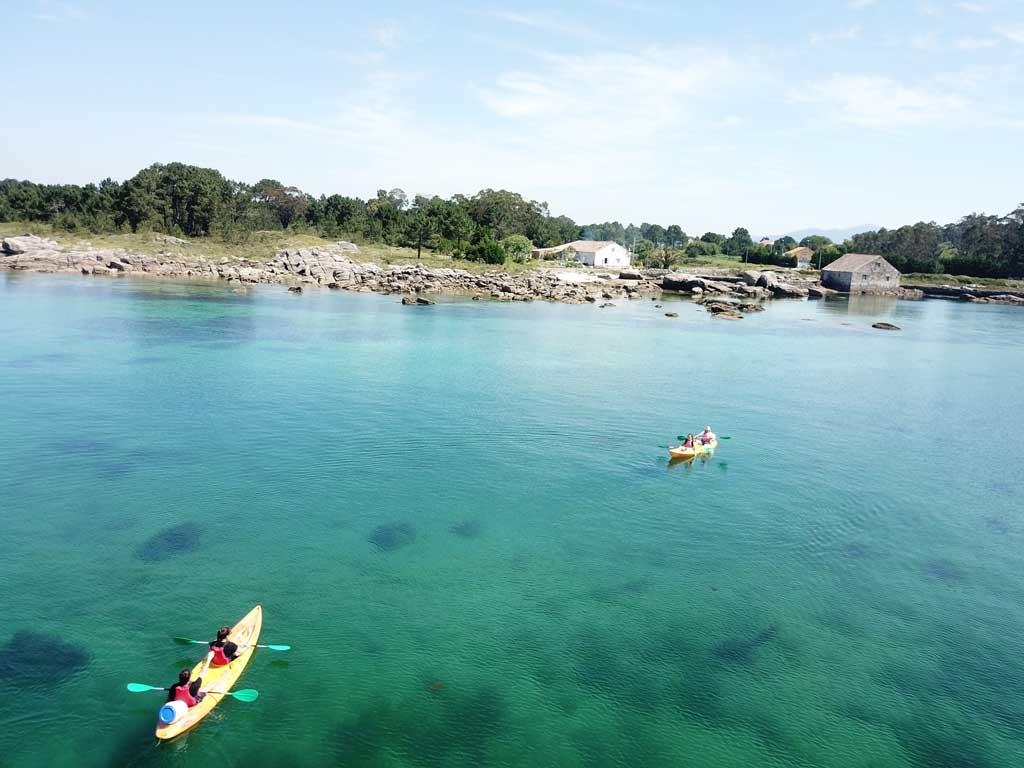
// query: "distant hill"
[[835, 235]]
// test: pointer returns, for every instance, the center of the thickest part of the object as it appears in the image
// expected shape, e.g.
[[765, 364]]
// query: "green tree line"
[[492, 225], [188, 201]]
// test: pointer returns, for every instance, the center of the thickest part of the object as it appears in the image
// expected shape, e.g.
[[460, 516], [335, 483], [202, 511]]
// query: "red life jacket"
[[219, 659], [181, 693]]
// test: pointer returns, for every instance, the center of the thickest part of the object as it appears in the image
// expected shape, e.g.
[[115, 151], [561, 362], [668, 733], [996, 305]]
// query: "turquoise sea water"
[[474, 498]]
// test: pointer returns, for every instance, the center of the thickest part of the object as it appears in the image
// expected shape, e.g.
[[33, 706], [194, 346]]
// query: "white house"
[[593, 253]]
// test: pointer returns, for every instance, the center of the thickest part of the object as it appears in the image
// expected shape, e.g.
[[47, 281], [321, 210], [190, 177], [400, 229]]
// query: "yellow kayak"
[[698, 450], [218, 678]]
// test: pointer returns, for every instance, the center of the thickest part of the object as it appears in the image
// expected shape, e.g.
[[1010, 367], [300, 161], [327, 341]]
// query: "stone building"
[[593, 253], [861, 273], [801, 256]]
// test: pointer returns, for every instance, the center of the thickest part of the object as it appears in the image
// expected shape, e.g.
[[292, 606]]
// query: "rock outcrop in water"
[[176, 540], [467, 529], [742, 650], [391, 536], [33, 658]]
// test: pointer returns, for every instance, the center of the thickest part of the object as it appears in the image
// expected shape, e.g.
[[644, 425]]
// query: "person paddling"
[[188, 690], [223, 651], [689, 441], [707, 436]]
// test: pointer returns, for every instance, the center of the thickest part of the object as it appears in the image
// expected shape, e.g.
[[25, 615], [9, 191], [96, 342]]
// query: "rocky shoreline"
[[726, 295]]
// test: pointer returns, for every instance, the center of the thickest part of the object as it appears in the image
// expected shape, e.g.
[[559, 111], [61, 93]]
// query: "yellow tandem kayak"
[[218, 678], [698, 450]]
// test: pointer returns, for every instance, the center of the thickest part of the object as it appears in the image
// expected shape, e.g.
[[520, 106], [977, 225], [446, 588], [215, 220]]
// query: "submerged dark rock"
[[176, 540], [34, 658], [854, 550], [81, 445], [742, 650], [611, 593], [997, 523], [885, 326], [467, 529], [391, 536], [453, 728], [943, 570]]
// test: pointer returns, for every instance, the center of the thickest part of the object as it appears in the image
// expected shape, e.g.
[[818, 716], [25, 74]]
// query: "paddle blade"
[[140, 688], [185, 641], [247, 694], [276, 647]]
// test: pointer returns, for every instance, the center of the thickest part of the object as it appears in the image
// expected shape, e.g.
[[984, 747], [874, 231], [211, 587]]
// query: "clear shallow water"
[[840, 585]]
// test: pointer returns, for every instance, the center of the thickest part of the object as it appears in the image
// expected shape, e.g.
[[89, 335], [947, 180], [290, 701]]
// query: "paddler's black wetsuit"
[[224, 652], [193, 691]]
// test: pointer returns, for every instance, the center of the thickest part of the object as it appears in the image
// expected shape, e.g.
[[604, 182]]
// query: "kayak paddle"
[[246, 694], [186, 641], [683, 437]]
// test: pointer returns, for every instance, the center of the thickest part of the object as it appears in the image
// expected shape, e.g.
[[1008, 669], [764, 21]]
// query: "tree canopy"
[[180, 199]]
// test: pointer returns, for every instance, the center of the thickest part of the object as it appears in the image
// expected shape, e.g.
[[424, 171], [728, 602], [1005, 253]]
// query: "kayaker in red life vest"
[[689, 441], [222, 650], [186, 690]]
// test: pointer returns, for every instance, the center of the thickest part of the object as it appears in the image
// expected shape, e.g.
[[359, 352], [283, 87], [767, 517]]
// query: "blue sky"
[[773, 116]]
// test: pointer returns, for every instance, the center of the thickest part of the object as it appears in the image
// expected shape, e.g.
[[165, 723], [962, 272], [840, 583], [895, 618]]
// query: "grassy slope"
[[917, 278]]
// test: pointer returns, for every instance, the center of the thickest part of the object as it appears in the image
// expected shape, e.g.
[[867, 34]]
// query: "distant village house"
[[593, 253], [801, 256], [766, 242], [861, 273]]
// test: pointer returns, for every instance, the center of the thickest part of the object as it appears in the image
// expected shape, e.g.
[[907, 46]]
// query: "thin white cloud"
[[549, 22], [636, 6], [1013, 33], [975, 43], [880, 102], [618, 106], [387, 35], [56, 12], [927, 41], [972, 7], [607, 89], [858, 5], [846, 34]]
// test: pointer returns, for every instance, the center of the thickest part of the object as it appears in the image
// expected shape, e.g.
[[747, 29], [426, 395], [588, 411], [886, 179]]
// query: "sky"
[[773, 116]]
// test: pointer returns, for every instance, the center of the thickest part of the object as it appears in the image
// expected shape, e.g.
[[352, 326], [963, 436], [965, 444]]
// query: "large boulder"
[[767, 280], [787, 291], [678, 281], [717, 286], [750, 276], [630, 274], [718, 307], [27, 244], [819, 291]]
